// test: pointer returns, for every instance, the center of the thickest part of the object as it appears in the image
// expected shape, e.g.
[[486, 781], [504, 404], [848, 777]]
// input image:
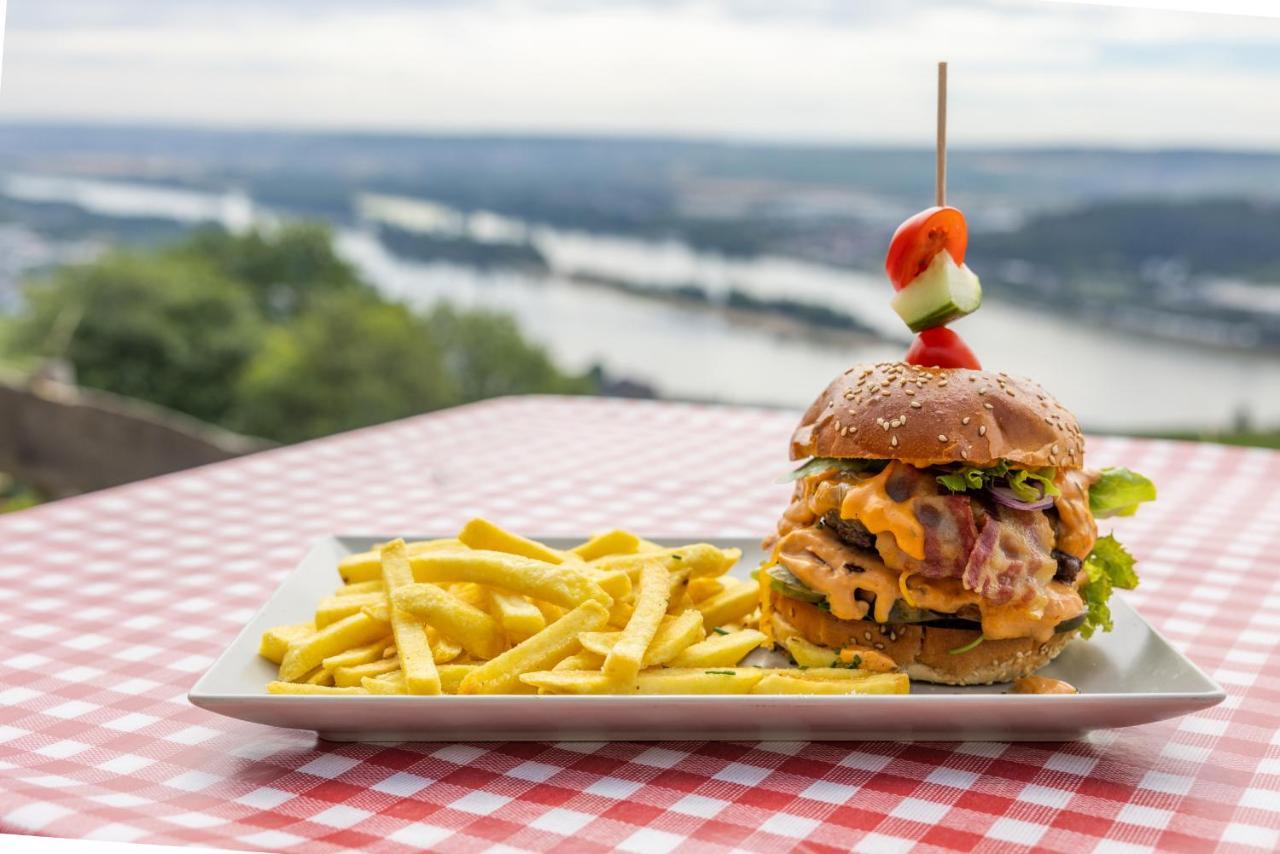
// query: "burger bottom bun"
[[922, 651]]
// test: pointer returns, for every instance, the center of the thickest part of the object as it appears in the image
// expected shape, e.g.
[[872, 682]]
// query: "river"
[[1113, 380]]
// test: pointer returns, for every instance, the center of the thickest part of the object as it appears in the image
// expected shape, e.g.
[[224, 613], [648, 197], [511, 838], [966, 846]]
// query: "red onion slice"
[[1008, 498]]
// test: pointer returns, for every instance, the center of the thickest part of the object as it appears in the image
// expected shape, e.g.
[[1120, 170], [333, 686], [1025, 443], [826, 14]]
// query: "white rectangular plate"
[[1129, 676]]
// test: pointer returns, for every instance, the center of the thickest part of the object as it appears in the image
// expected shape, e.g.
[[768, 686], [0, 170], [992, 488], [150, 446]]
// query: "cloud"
[[805, 71]]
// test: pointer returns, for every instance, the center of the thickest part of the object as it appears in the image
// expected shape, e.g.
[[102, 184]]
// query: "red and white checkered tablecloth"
[[112, 604]]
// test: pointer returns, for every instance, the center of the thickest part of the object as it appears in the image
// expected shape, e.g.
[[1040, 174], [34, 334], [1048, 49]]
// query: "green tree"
[[283, 267], [160, 328], [350, 360], [486, 356]]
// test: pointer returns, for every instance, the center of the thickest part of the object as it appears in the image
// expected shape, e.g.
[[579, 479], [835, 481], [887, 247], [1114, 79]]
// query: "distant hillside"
[[1231, 237]]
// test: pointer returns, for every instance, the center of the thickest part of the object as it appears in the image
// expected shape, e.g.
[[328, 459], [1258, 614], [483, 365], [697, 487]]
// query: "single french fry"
[[878, 683], [501, 675], [334, 608], [615, 542], [276, 641], [344, 676], [550, 612], [585, 660], [620, 613], [451, 676], [483, 534], [415, 654], [565, 584], [672, 636], [303, 688], [384, 685], [701, 559], [442, 648], [624, 659], [319, 676], [735, 603], [518, 617], [704, 588], [476, 595], [356, 630], [359, 587], [808, 654], [649, 546], [367, 566], [719, 650], [660, 680], [477, 632], [615, 582]]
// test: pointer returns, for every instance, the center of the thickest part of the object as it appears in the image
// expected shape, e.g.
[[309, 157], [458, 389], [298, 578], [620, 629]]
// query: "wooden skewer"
[[940, 174]]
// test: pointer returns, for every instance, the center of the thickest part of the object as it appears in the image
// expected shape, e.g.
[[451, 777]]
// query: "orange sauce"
[[1042, 685]]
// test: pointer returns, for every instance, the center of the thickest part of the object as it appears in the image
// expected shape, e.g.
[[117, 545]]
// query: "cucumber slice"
[[781, 580], [944, 292]]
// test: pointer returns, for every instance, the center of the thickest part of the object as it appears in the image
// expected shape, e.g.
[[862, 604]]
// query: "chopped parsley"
[[720, 631], [855, 662], [720, 673]]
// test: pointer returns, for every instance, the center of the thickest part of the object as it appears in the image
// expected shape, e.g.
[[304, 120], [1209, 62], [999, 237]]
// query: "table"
[[115, 603]]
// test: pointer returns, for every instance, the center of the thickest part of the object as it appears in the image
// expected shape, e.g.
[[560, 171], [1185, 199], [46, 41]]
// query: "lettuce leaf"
[[1108, 566], [972, 477], [1119, 492], [817, 465]]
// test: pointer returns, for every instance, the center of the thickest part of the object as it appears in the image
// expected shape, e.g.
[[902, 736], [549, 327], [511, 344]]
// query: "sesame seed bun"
[[936, 416], [923, 651]]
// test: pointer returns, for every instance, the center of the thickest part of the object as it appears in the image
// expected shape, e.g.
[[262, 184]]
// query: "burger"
[[944, 517]]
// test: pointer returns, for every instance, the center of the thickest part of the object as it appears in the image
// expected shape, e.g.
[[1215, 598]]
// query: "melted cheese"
[[869, 503], [1018, 620], [1077, 530], [818, 558]]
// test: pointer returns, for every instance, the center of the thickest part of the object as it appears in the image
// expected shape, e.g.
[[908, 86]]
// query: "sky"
[[1022, 72]]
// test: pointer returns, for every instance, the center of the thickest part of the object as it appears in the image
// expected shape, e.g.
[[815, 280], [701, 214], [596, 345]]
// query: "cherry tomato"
[[920, 238], [942, 348]]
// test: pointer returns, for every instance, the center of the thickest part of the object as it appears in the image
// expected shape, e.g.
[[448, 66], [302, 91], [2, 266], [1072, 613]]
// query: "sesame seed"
[[944, 382], [988, 406], [911, 392], [894, 441], [1054, 449], [982, 390], [902, 419], [853, 429], [1009, 392], [965, 420], [942, 437], [982, 431], [915, 404]]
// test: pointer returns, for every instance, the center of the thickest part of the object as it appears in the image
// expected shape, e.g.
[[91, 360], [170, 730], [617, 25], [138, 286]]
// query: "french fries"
[[559, 584], [275, 642], [625, 657], [478, 633], [615, 542], [518, 617], [501, 675], [493, 612], [412, 646], [719, 650]]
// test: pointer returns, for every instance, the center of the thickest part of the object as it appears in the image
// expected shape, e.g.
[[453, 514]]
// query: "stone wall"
[[63, 440]]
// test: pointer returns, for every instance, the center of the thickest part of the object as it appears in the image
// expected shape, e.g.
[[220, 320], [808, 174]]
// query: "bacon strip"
[[1011, 560]]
